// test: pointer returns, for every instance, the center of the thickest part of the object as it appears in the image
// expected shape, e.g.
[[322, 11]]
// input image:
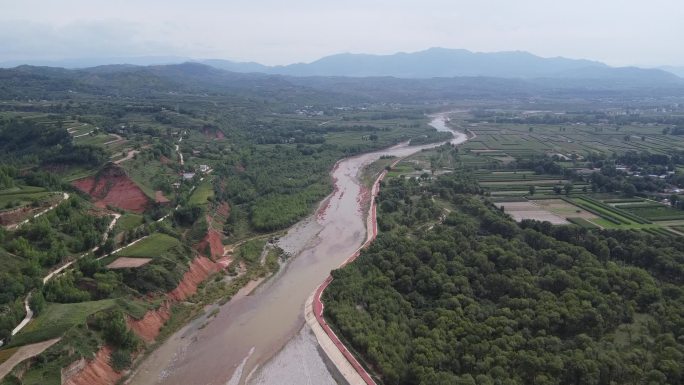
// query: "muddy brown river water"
[[254, 326]]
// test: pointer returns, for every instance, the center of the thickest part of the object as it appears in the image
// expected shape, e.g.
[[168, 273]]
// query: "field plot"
[[653, 211], [57, 318], [127, 262], [524, 182], [12, 199], [128, 222], [202, 193], [502, 184], [566, 139], [149, 174], [530, 210], [564, 209], [150, 247]]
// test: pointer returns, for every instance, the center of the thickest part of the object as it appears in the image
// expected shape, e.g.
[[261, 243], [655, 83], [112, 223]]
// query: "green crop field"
[[656, 213], [202, 193], [58, 318], [128, 222], [153, 246], [21, 199], [583, 223]]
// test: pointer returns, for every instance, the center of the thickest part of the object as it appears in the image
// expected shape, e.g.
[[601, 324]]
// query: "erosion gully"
[[257, 337]]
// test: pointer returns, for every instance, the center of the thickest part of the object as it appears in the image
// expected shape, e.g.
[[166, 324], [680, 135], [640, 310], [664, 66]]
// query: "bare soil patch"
[[126, 262], [160, 198], [564, 209], [529, 210], [112, 187]]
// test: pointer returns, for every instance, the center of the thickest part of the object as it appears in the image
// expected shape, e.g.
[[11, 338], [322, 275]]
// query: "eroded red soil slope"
[[112, 186]]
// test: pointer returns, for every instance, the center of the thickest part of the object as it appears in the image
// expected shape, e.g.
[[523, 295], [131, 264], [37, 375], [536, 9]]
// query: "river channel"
[[254, 327]]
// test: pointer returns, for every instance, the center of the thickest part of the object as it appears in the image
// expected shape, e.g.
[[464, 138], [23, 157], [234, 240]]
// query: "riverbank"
[[351, 369], [345, 362]]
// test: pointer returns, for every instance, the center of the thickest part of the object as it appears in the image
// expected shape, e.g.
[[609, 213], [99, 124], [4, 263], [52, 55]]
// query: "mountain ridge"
[[443, 63], [430, 63]]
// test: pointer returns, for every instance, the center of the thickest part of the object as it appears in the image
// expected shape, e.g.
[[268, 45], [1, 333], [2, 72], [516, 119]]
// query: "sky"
[[617, 32]]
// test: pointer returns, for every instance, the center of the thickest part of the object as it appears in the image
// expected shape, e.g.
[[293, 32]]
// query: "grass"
[[609, 213], [373, 170], [250, 251], [150, 247], [401, 169], [94, 140], [149, 173], [128, 222], [75, 173], [21, 190], [202, 193], [134, 308], [57, 318], [9, 201], [583, 223], [616, 210], [656, 212]]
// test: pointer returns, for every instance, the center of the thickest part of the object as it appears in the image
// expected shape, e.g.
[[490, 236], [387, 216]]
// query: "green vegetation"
[[153, 246], [583, 223], [202, 194], [475, 298], [271, 144], [56, 319], [277, 211], [128, 222], [250, 251]]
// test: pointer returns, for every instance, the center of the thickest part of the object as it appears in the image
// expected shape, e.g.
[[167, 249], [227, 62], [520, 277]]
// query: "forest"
[[454, 292], [27, 142]]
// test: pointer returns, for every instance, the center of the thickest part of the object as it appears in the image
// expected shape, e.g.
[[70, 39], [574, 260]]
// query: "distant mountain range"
[[191, 78], [430, 63], [679, 71]]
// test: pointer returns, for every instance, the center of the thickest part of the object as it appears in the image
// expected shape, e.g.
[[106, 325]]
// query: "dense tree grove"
[[26, 141], [454, 292], [279, 185]]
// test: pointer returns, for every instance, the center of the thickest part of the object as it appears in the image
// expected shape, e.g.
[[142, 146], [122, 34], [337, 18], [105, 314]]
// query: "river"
[[253, 328]]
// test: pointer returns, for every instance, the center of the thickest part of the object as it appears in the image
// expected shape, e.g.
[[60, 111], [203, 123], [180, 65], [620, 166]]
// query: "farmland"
[[527, 196], [202, 193], [153, 246], [57, 318], [539, 171], [506, 139]]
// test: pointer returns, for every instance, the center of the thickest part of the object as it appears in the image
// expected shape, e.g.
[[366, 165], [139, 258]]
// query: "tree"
[[37, 302], [629, 190], [674, 198], [568, 188]]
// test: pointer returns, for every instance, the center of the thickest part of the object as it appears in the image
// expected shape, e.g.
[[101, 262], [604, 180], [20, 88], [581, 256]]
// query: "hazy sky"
[[618, 32]]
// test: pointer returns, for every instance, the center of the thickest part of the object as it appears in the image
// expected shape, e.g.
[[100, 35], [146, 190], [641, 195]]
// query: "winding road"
[[55, 272], [251, 329], [28, 351]]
